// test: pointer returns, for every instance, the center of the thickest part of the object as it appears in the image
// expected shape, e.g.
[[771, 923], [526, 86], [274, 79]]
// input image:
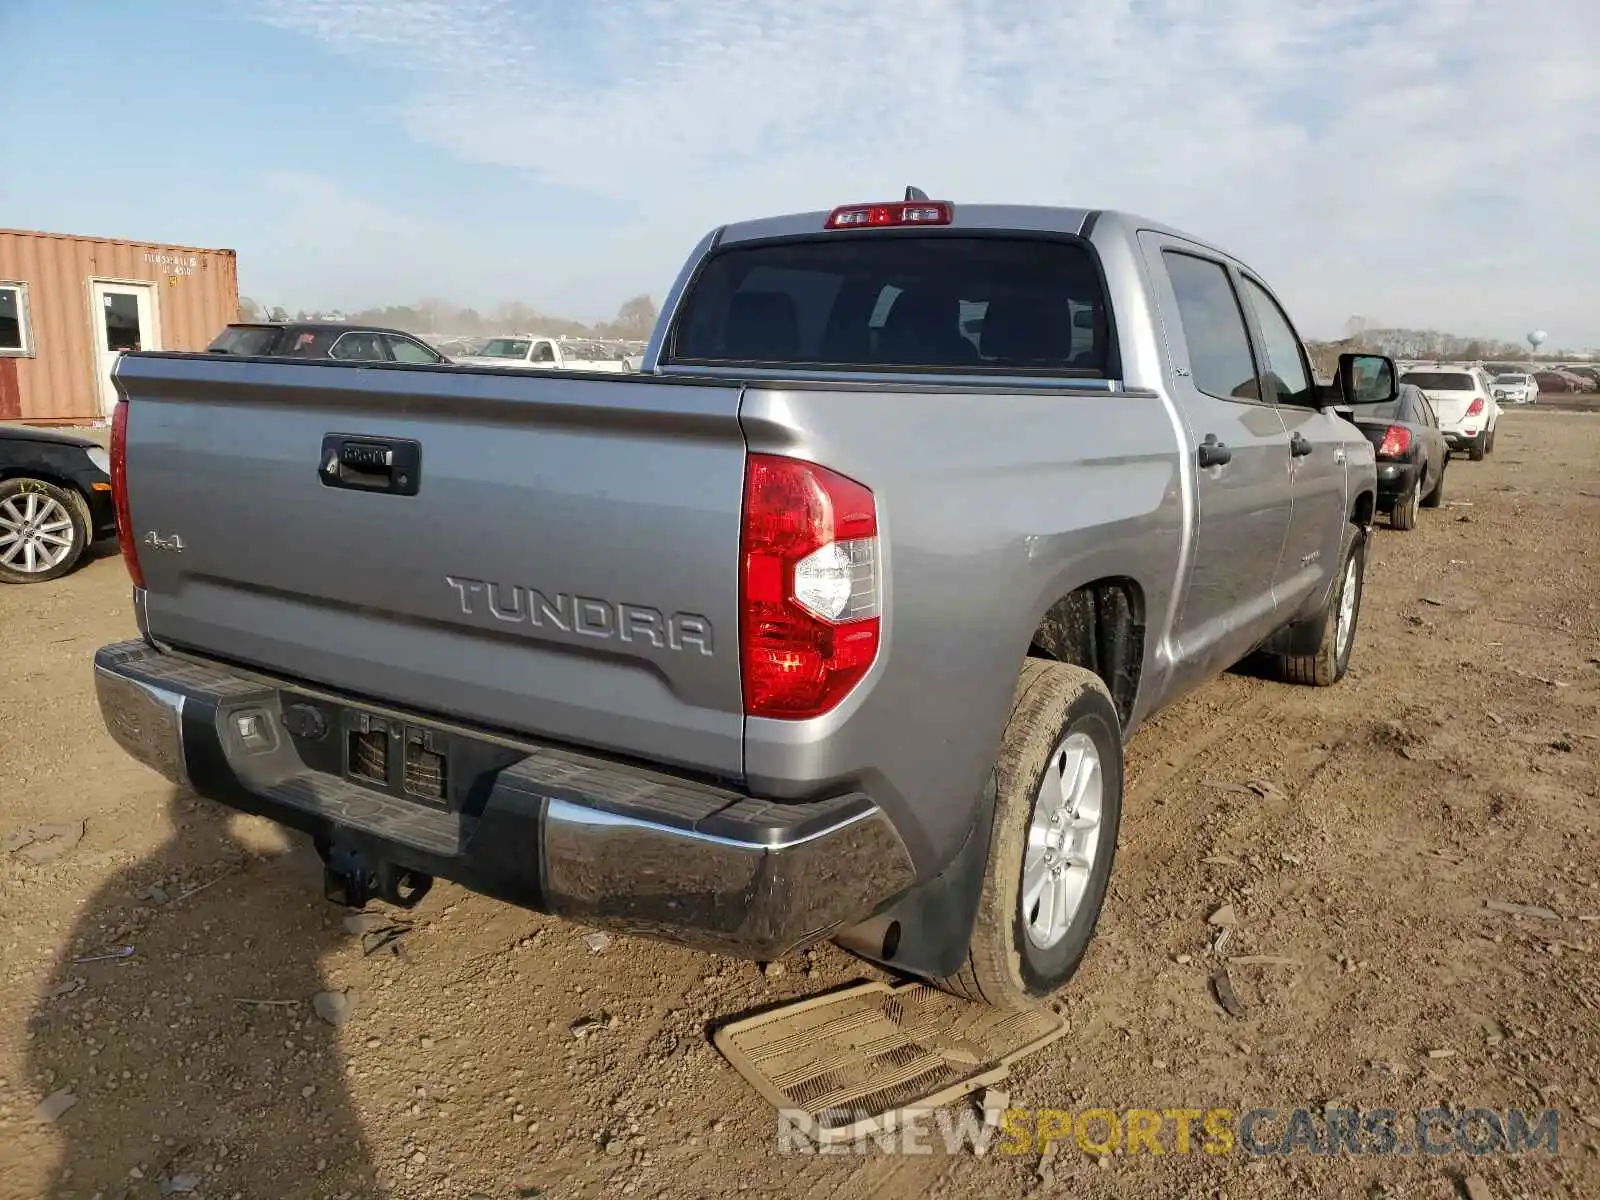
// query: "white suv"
[[1464, 402], [1515, 387]]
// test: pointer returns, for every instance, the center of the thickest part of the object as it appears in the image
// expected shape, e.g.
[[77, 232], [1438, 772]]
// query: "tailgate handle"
[[371, 464]]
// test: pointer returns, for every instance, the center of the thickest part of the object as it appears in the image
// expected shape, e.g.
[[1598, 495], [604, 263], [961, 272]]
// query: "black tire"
[[1488, 445], [1479, 447], [1435, 496], [1004, 967], [13, 494], [1328, 665], [1403, 516]]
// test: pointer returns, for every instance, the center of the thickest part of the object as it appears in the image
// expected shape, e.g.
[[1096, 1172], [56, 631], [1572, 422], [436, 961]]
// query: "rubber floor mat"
[[855, 1059]]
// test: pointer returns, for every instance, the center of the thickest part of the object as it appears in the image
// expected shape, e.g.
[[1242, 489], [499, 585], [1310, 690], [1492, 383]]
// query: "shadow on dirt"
[[197, 1061]]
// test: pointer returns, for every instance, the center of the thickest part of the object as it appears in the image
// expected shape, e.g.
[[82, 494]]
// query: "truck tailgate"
[[567, 566]]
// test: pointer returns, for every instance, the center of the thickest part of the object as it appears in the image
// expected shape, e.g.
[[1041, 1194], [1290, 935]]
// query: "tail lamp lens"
[[811, 589], [119, 492], [1396, 442]]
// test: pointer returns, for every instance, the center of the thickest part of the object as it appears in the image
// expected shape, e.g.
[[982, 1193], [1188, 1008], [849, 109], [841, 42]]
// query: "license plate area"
[[397, 754]]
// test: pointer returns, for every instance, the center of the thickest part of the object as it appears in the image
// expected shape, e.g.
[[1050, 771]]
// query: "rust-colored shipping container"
[[69, 305]]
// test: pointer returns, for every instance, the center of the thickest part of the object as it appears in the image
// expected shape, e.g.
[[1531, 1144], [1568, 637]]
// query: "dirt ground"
[[1458, 764]]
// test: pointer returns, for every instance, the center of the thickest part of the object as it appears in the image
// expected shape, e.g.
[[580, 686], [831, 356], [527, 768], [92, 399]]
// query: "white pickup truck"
[[544, 353]]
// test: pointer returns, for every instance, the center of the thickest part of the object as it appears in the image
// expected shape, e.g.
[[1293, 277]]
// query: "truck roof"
[[1009, 217], [321, 327]]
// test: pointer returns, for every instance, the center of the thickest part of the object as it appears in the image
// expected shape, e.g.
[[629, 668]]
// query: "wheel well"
[[1364, 510], [1099, 626], [6, 475], [66, 485]]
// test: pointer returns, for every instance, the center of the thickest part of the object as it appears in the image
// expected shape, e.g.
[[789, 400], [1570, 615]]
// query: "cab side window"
[[544, 352], [1220, 360], [1287, 374]]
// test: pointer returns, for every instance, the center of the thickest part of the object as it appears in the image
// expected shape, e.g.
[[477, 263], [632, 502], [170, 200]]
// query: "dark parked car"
[[1558, 381], [324, 339], [1411, 451], [55, 498]]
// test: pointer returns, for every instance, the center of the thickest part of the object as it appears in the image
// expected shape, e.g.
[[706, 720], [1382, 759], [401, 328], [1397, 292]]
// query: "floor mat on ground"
[[847, 1064]]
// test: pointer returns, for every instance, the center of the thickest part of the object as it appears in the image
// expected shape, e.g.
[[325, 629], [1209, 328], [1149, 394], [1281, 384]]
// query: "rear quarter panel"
[[992, 505]]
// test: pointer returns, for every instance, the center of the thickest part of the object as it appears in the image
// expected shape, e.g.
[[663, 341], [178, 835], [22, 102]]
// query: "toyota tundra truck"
[[830, 622]]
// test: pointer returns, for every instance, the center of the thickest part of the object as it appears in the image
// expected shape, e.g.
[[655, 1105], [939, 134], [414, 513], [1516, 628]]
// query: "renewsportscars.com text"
[[1261, 1132]]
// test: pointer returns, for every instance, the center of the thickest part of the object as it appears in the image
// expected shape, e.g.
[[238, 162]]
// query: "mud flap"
[[928, 930]]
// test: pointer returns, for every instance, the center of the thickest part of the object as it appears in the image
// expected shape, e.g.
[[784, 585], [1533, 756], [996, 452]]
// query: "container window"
[[16, 338]]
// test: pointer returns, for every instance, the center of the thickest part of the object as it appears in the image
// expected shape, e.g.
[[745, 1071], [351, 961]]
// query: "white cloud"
[[1428, 162]]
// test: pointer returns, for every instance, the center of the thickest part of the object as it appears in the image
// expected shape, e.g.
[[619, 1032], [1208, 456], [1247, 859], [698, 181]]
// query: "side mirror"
[[1368, 379]]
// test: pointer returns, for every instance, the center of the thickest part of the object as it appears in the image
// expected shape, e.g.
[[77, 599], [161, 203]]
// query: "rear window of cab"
[[949, 303], [1440, 381]]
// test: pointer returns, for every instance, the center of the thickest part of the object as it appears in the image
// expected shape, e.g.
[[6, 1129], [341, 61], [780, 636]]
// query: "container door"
[[124, 318]]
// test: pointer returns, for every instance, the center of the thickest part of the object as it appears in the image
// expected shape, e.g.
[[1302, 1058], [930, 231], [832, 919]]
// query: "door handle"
[[1300, 445], [371, 464], [1214, 453]]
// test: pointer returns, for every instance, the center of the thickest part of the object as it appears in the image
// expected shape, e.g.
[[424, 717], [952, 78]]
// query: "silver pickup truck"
[[829, 622]]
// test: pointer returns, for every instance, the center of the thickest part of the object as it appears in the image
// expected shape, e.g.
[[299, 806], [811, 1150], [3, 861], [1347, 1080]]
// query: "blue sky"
[[1420, 162]]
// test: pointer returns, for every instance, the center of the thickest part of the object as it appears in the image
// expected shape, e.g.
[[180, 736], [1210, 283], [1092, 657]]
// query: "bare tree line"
[[637, 316], [634, 319], [1425, 345]]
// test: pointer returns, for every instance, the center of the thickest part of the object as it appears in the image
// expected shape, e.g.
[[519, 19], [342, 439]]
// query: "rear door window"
[[407, 351], [1287, 372], [307, 343], [951, 303], [244, 339], [359, 347], [1220, 361]]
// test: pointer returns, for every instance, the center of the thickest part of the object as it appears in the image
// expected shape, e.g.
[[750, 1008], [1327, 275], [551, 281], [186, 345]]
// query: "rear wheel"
[[1403, 516], [1479, 447], [1339, 616], [1488, 445], [43, 531], [1435, 497], [1058, 807]]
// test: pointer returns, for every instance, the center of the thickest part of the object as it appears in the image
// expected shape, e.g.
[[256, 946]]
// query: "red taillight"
[[119, 492], [1396, 442], [878, 216], [1475, 407], [810, 607]]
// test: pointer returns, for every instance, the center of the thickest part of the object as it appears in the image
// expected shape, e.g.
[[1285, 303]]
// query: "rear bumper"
[[1394, 480], [1461, 439], [598, 841]]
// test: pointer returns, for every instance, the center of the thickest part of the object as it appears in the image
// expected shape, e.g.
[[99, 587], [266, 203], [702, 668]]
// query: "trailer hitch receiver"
[[351, 878]]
